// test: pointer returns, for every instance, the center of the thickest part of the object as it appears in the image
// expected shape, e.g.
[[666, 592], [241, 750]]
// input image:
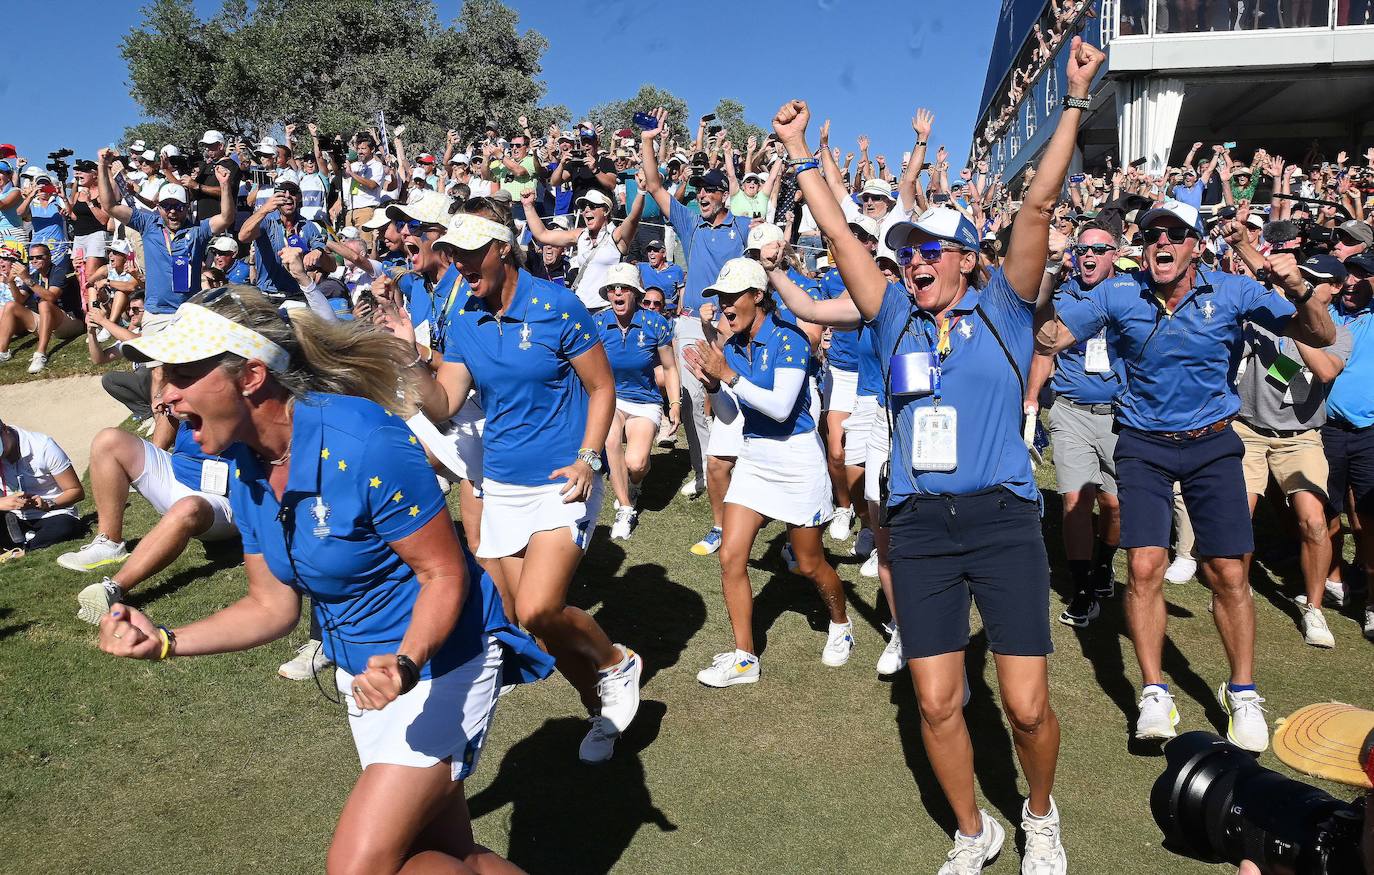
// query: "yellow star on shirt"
[[548, 306], [565, 315], [324, 453], [577, 326], [534, 300], [343, 466], [415, 510], [789, 358], [397, 497], [236, 473], [586, 337], [412, 439], [375, 482]]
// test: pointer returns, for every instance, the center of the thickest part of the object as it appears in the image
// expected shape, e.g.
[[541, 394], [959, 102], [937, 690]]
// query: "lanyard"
[[439, 337]]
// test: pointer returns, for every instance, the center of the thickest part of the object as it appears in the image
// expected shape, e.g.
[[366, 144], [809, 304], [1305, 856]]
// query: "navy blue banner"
[[1014, 24]]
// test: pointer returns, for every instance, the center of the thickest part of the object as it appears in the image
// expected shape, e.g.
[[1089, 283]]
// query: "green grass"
[[216, 765], [65, 358]]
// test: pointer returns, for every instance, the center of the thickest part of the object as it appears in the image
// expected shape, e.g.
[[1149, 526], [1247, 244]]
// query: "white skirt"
[[465, 433], [856, 429], [783, 479], [442, 718], [644, 410], [839, 390], [878, 452], [511, 515], [727, 438]]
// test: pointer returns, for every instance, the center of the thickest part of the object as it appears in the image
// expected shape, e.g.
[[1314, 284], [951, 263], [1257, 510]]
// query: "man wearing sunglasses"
[[1352, 238], [515, 171], [273, 227], [1178, 331], [173, 248], [1086, 382]]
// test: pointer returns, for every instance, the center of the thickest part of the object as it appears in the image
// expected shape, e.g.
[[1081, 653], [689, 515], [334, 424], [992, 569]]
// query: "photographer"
[[39, 491], [583, 167], [46, 212], [274, 226], [11, 225]]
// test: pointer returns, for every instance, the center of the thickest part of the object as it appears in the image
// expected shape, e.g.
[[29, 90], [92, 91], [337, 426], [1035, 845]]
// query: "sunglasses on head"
[[1176, 234], [1094, 248], [929, 252]]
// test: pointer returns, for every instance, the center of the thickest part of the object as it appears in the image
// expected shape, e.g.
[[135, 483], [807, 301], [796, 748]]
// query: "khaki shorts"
[[1297, 463]]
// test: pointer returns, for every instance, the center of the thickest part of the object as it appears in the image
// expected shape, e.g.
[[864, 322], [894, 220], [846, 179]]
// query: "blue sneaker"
[[708, 544]]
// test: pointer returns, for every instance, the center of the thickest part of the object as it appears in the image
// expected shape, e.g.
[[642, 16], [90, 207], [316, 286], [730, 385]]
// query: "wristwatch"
[[735, 379], [591, 457], [1305, 298], [1077, 102]]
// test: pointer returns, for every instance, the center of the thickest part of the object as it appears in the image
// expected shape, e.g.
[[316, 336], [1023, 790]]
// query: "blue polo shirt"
[[708, 247], [161, 248], [188, 458], [238, 272], [976, 379], [844, 344], [521, 362], [1190, 194], [870, 363], [1071, 378], [1352, 395], [272, 238], [669, 280], [806, 284], [1180, 367], [434, 305], [777, 344], [358, 483], [633, 353]]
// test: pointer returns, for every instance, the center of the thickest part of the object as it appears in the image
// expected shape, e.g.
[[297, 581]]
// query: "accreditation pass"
[[934, 439]]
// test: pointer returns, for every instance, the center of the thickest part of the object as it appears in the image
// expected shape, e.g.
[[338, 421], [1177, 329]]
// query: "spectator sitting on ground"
[[39, 491], [44, 301]]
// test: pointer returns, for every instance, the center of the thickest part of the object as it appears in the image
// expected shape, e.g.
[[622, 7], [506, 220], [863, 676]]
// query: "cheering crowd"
[[328, 335]]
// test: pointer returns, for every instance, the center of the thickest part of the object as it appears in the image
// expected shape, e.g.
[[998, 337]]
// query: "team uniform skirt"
[[642, 409], [783, 479], [512, 514], [159, 485], [840, 390], [878, 450], [856, 429], [727, 436], [465, 432], [442, 718]]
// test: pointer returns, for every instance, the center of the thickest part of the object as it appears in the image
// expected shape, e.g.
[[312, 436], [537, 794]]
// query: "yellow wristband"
[[166, 642]]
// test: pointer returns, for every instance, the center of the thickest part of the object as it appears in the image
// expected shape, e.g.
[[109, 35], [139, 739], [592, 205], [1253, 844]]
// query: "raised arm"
[[909, 191], [109, 198], [834, 177], [835, 312], [860, 273], [542, 233], [626, 230], [1025, 261], [228, 209], [653, 183]]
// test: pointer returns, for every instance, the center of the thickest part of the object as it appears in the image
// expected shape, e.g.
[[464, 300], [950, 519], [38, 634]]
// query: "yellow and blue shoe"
[[1158, 714], [728, 669]]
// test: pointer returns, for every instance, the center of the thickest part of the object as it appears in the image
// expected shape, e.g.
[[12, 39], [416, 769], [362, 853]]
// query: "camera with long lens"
[[57, 163], [1216, 803]]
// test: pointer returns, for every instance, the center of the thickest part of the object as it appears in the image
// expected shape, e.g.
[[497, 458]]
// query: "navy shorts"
[[1212, 476], [1350, 455], [986, 546]]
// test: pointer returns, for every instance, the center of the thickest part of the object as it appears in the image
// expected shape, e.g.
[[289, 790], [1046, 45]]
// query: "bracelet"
[[169, 639], [674, 403], [1077, 102], [410, 672], [920, 143], [798, 169]]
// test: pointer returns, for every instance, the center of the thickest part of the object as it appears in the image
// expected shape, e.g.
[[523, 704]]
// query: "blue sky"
[[865, 65]]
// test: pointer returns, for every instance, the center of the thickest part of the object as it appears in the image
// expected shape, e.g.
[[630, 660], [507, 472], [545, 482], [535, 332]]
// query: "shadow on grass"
[[219, 556], [538, 778], [994, 762], [10, 631], [669, 469]]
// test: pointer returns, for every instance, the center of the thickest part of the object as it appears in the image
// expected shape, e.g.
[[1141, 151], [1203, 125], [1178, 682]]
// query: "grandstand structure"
[[1294, 76]]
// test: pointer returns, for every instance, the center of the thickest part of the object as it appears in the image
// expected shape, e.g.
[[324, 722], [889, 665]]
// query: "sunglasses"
[[630, 289], [172, 206], [34, 256], [518, 145], [1094, 248], [649, 304], [870, 198], [1347, 238], [710, 188], [589, 206], [1175, 234], [929, 252]]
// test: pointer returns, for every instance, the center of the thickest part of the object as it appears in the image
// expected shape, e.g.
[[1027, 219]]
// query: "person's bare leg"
[[17, 320], [1234, 613], [882, 541], [1025, 685], [188, 518], [834, 456], [811, 563], [741, 528], [1108, 518], [1146, 616], [119, 302], [615, 457], [116, 462], [49, 316], [1310, 510], [939, 682], [639, 443], [718, 471]]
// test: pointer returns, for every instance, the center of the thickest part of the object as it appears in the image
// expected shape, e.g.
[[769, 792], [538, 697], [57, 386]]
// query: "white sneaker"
[[308, 662], [728, 669], [840, 523], [838, 644], [891, 660], [1044, 853], [102, 336], [599, 743], [1369, 623], [1246, 728], [1335, 593], [667, 435], [37, 363], [148, 426], [789, 557], [1181, 570], [863, 544], [970, 856], [624, 522], [6, 356], [691, 487], [618, 687], [100, 552], [97, 599], [1158, 714], [870, 566], [709, 543], [1314, 628]]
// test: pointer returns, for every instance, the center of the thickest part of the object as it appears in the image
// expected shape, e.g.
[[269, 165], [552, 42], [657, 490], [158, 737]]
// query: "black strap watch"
[[1077, 102], [1303, 299]]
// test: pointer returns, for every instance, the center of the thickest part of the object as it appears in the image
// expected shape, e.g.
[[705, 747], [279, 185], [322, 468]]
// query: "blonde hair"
[[329, 356], [500, 213]]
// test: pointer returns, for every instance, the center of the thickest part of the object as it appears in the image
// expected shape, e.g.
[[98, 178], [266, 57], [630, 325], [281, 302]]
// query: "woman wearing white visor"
[[780, 473], [532, 352], [636, 342]]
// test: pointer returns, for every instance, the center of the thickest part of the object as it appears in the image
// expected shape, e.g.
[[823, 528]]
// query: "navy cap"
[[1324, 268], [711, 179], [1364, 261]]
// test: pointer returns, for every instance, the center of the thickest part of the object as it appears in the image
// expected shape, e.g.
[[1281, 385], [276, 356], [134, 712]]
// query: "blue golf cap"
[[1324, 269], [6, 167], [942, 223], [711, 179]]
